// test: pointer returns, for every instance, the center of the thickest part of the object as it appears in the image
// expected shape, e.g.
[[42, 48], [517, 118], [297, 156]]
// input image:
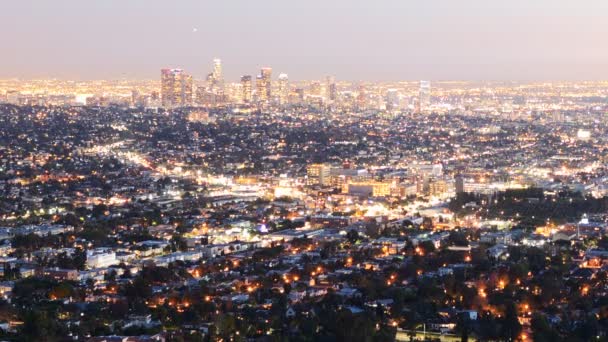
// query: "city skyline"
[[271, 170], [386, 41]]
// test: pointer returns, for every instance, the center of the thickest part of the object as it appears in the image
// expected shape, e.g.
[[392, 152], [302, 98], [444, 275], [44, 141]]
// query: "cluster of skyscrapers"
[[177, 87], [179, 90]]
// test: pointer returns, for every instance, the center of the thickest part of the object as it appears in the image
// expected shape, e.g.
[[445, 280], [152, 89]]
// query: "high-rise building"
[[297, 96], [362, 98], [331, 89], [246, 87], [315, 89], [176, 88], [216, 78], [260, 89], [392, 99], [210, 82], [318, 174], [234, 93], [283, 89], [424, 96], [135, 96], [217, 69], [263, 85]]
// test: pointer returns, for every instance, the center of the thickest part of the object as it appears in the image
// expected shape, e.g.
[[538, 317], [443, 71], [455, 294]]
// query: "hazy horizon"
[[385, 40]]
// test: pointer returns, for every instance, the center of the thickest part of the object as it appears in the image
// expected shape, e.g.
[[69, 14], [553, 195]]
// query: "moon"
[[194, 30]]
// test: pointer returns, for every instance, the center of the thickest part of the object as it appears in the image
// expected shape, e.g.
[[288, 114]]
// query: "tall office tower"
[[217, 69], [318, 174], [260, 89], [361, 98], [200, 96], [283, 89], [167, 81], [263, 85], [246, 86], [315, 89], [176, 88], [424, 100], [331, 89], [187, 86], [297, 96], [392, 99], [217, 79], [234, 93], [135, 96], [210, 81]]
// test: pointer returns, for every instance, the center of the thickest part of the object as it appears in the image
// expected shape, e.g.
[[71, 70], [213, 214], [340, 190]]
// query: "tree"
[[385, 334], [427, 223], [510, 325], [38, 326], [488, 328], [427, 246], [99, 210], [350, 327], [542, 331], [458, 239], [352, 235], [588, 328], [225, 326]]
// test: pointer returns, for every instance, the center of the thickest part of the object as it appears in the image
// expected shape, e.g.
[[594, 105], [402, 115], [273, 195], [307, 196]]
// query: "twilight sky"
[[352, 39]]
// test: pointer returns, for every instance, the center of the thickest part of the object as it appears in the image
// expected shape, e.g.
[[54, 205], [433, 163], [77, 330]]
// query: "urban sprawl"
[[199, 209]]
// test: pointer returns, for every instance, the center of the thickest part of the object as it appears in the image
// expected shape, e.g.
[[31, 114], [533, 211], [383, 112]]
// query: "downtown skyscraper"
[[246, 88], [424, 96], [217, 78], [176, 88], [264, 85], [283, 89], [331, 89]]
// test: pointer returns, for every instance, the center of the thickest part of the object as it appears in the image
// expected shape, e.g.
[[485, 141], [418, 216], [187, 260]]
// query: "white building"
[[101, 258]]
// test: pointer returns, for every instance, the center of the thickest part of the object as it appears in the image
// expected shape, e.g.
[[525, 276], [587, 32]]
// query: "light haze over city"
[[299, 171], [354, 40]]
